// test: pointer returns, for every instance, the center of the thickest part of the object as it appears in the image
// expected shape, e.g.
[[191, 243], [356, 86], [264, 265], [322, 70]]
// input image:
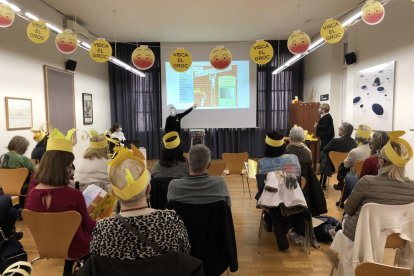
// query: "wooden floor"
[[246, 221]]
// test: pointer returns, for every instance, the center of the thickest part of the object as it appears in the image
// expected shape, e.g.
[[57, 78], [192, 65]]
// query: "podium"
[[197, 136]]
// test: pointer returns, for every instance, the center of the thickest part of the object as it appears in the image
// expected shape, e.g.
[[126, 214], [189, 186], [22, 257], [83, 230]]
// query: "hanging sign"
[[261, 52], [373, 12], [66, 42], [38, 32], [332, 31], [220, 57], [6, 16], [100, 50], [143, 58], [180, 60], [298, 42]]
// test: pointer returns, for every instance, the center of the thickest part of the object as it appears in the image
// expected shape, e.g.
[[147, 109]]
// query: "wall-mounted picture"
[[18, 113], [374, 96], [87, 109]]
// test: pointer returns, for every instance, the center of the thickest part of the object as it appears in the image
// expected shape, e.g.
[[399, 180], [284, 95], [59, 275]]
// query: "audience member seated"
[[360, 153], [52, 194], [8, 216], [390, 186], [344, 143], [116, 132], [198, 187], [93, 167], [15, 159], [130, 184], [41, 139], [172, 162], [312, 191]]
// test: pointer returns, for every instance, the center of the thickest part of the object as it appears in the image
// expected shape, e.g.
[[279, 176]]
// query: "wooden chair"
[[369, 269], [235, 164], [357, 167], [185, 154], [216, 168], [12, 180], [52, 232], [337, 158]]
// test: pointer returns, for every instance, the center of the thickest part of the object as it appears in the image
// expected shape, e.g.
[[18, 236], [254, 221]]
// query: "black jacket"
[[174, 123], [342, 144], [211, 233], [174, 264], [313, 193], [158, 194], [325, 129]]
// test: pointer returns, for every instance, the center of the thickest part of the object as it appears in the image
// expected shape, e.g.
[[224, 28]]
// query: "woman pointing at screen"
[[173, 122]]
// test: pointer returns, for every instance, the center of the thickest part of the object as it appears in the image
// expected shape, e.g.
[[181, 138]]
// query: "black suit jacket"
[[325, 129], [342, 144]]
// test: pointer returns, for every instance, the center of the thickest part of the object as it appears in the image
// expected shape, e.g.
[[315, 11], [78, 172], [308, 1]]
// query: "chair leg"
[[306, 242], [248, 186], [260, 231], [36, 259], [242, 182]]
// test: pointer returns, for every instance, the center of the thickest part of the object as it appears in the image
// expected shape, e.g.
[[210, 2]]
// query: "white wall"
[[21, 75], [389, 40]]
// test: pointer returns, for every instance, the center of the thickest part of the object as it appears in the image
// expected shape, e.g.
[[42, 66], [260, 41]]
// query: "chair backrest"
[[216, 168], [235, 161], [12, 180], [358, 167], [158, 193], [394, 241], [302, 182], [337, 157], [369, 269], [185, 154], [52, 232]]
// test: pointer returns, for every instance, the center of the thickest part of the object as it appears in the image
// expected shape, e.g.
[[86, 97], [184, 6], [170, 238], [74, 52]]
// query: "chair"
[[235, 164], [216, 168], [159, 190], [337, 158], [12, 180], [211, 234], [52, 232], [356, 168], [369, 269]]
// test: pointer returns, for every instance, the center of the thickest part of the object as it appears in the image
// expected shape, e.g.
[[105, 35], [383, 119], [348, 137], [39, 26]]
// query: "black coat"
[[174, 123], [315, 198], [342, 144], [325, 129], [211, 233]]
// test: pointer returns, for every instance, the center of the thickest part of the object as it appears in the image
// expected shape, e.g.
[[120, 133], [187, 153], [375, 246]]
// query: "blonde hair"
[[388, 168], [100, 153], [325, 107], [117, 178]]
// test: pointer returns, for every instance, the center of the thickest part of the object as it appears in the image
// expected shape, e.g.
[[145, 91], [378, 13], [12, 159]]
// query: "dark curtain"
[[136, 101]]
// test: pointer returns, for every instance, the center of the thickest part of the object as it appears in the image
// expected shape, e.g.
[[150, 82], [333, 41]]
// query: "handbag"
[[11, 251]]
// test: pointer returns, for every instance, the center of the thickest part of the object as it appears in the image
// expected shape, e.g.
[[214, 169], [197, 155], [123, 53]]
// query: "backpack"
[[322, 232], [11, 251]]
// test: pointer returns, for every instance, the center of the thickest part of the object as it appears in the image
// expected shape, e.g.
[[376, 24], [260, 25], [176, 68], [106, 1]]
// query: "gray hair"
[[348, 128], [296, 134], [198, 158]]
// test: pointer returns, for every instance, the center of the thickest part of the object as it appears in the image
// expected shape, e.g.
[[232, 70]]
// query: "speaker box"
[[350, 58], [70, 65]]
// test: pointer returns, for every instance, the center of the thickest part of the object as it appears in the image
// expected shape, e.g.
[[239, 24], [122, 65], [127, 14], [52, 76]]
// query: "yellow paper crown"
[[174, 143], [38, 135], [274, 143], [390, 152], [97, 145], [134, 186], [366, 134], [58, 141]]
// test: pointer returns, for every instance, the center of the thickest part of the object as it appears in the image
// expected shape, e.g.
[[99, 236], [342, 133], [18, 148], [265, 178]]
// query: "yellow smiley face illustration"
[[6, 16], [66, 42], [373, 12], [220, 57], [298, 42], [143, 58]]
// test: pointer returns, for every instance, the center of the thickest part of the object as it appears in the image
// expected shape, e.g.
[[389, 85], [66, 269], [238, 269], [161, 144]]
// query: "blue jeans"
[[350, 181]]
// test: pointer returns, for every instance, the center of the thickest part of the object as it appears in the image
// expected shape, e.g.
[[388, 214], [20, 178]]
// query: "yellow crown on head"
[[134, 186], [365, 134], [390, 152], [274, 143], [58, 141], [96, 145], [38, 135], [174, 143]]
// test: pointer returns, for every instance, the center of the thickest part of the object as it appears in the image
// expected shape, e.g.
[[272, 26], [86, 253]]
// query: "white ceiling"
[[200, 21]]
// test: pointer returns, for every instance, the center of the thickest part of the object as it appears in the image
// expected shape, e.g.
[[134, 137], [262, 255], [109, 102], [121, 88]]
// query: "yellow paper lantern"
[[38, 32], [298, 42], [100, 50], [332, 31], [66, 42], [180, 60], [261, 52], [143, 58], [220, 57], [6, 16]]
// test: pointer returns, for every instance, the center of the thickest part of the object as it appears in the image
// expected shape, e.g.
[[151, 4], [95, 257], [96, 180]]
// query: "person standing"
[[173, 122], [325, 127]]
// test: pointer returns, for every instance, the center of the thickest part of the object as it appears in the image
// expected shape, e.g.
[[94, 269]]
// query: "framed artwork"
[[18, 113], [373, 99], [87, 109]]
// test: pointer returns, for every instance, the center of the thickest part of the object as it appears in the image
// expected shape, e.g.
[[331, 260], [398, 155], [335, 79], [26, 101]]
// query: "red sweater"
[[66, 199], [370, 166]]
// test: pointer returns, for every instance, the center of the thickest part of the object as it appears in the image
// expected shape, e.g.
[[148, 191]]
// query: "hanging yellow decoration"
[[220, 57], [373, 12], [6, 16], [261, 52], [298, 42], [38, 32], [180, 60], [332, 31], [66, 42], [143, 58], [100, 50]]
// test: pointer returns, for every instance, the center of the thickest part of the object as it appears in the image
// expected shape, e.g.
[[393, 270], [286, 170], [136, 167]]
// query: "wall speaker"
[[70, 65], [350, 58]]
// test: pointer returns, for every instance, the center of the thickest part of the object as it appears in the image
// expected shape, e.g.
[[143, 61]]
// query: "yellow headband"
[[58, 141], [274, 143], [134, 186], [174, 143], [392, 156], [38, 135], [366, 134]]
